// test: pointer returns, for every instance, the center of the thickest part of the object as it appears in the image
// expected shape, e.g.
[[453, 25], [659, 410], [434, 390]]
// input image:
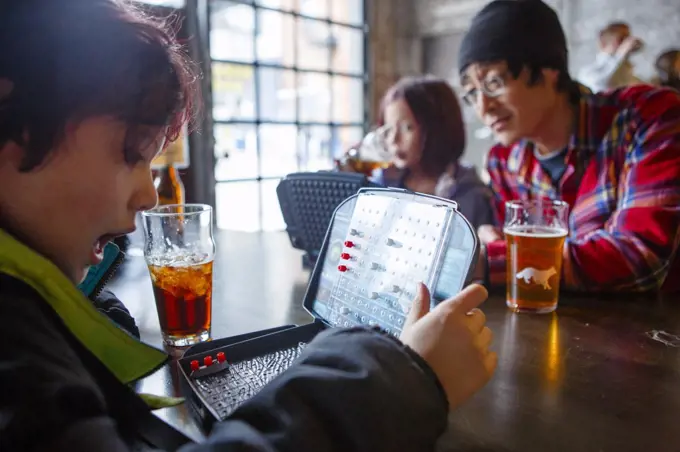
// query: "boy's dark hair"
[[68, 60], [437, 111]]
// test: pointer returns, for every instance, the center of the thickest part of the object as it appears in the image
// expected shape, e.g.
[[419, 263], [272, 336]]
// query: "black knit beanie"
[[527, 31]]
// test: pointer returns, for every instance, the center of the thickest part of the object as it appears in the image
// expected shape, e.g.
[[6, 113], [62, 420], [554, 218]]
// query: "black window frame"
[[255, 64]]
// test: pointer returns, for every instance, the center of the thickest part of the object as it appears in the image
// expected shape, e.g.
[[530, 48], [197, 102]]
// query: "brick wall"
[[395, 45]]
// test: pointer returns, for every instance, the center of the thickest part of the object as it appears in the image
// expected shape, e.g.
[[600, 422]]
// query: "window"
[[289, 90]]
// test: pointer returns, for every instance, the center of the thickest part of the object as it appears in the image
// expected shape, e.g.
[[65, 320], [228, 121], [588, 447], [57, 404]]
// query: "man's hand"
[[454, 341], [488, 234]]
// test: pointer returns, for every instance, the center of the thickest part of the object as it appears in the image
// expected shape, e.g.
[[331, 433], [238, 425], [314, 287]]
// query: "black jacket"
[[107, 303], [352, 390]]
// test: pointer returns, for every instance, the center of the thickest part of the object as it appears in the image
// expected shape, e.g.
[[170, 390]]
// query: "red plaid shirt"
[[622, 183]]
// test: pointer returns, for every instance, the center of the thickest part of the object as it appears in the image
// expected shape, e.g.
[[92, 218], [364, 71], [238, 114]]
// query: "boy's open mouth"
[[98, 248]]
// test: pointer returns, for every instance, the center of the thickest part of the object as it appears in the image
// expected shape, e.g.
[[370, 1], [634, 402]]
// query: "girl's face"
[[87, 191], [403, 135]]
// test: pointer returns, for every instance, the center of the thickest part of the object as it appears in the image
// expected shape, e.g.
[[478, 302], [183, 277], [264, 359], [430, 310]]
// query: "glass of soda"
[[179, 250]]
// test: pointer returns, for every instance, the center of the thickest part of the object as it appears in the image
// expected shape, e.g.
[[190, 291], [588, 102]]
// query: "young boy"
[[90, 91]]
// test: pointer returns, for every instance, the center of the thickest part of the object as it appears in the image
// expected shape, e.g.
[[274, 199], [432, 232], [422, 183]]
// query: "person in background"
[[614, 157], [668, 69], [90, 92], [426, 136], [612, 67]]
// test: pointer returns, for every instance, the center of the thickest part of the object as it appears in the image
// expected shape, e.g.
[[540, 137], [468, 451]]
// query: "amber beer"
[[365, 167], [183, 296], [535, 231], [369, 155], [534, 265]]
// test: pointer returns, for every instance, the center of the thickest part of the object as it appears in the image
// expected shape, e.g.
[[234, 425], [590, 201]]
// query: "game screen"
[[379, 248]]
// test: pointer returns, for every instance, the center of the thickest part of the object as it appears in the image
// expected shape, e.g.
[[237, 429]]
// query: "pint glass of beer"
[[534, 232], [179, 251], [372, 153]]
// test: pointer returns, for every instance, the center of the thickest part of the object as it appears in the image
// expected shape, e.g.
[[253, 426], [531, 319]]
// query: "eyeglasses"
[[492, 86]]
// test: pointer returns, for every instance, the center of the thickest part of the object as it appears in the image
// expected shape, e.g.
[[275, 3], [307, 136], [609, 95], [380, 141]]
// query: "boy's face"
[[512, 108], [82, 195]]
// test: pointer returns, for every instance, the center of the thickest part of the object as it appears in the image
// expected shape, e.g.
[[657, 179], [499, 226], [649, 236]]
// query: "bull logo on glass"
[[541, 277]]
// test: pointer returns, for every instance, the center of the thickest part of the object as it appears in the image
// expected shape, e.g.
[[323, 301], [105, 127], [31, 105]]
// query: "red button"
[[220, 357], [194, 366], [345, 256], [349, 244], [208, 360], [342, 268]]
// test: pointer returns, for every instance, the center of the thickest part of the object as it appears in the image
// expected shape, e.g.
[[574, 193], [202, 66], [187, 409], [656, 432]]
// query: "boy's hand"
[[453, 340]]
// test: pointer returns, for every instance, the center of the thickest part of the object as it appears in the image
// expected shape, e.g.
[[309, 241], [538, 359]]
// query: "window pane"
[[315, 148], [349, 53], [279, 149], [314, 41], [277, 94], [272, 218], [238, 206], [235, 151], [348, 100], [315, 97], [347, 11], [286, 5], [346, 137], [233, 91], [231, 31], [313, 8], [274, 40]]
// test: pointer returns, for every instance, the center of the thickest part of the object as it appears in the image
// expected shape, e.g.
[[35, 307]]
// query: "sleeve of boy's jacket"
[[355, 390], [114, 309]]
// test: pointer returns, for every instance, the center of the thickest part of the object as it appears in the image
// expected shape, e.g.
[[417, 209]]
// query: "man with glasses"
[[613, 157]]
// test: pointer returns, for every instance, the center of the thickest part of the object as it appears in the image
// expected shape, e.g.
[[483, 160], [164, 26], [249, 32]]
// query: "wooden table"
[[585, 378]]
